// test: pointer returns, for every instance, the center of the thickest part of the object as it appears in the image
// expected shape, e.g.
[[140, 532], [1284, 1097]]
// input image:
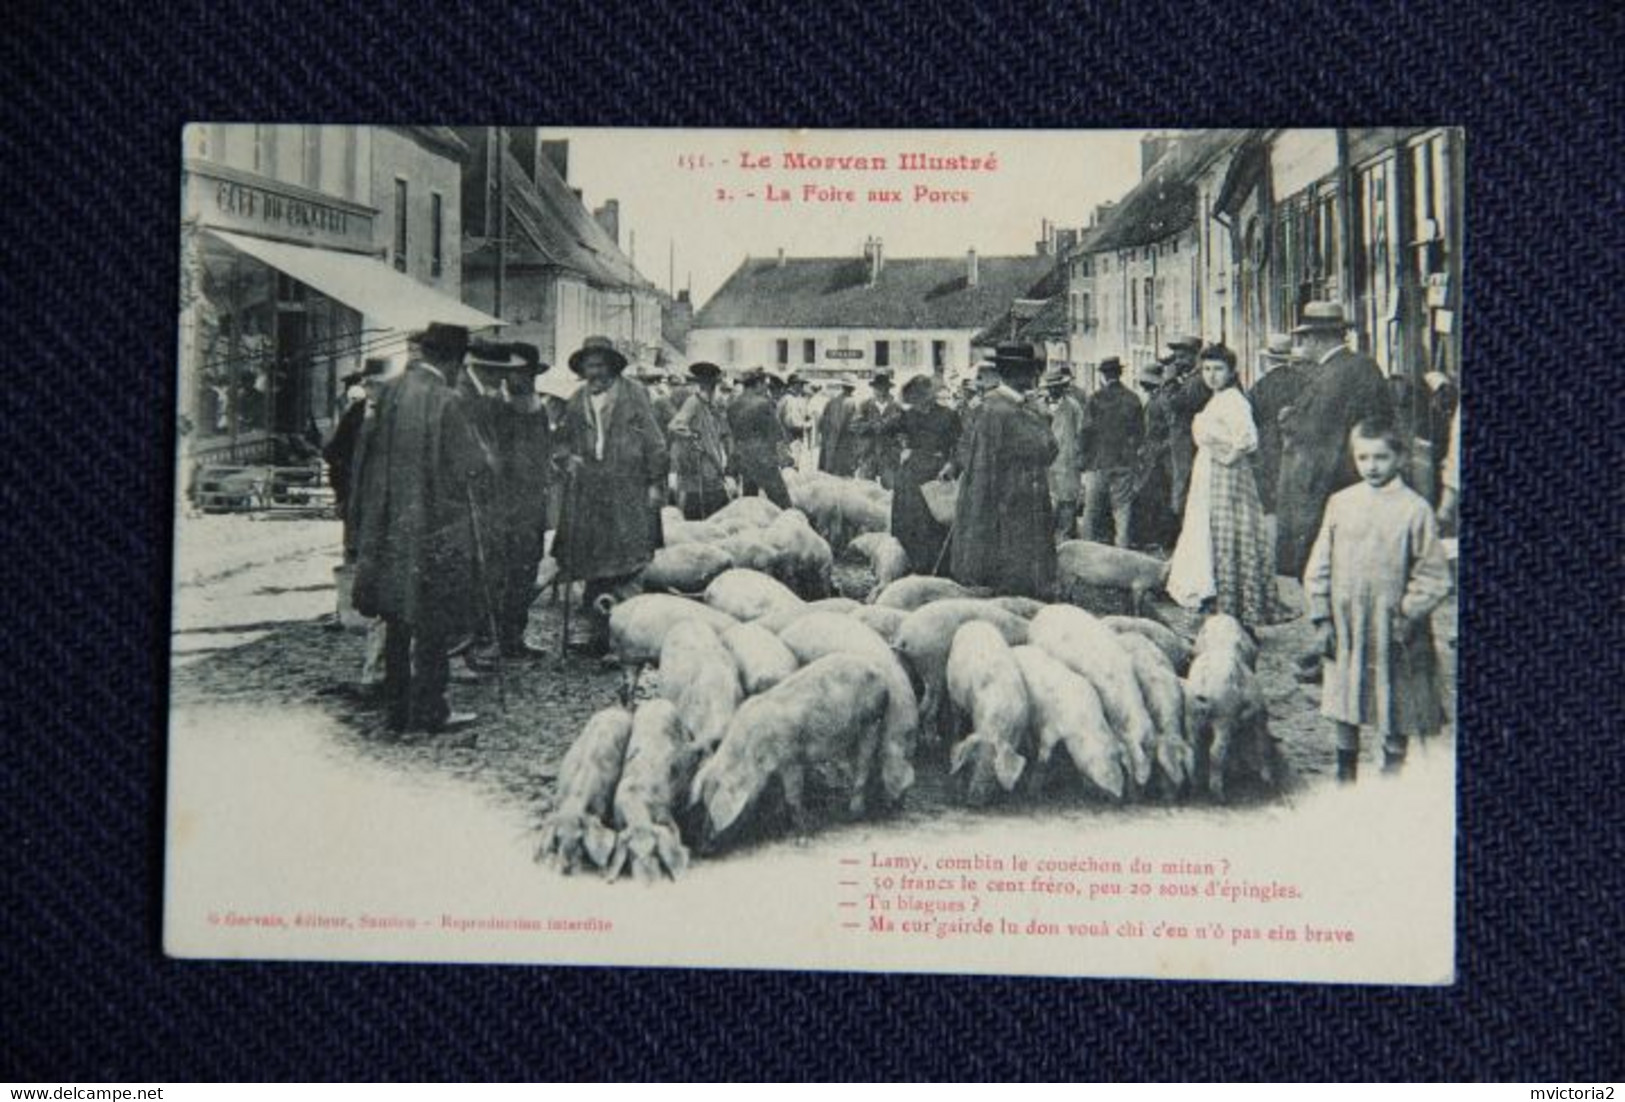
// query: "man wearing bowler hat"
[[1341, 388], [1278, 384], [879, 452], [612, 457], [837, 445], [417, 466], [1184, 394], [1003, 535], [758, 440], [701, 446]]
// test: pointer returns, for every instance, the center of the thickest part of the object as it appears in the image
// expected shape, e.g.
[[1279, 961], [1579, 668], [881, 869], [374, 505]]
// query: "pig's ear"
[[726, 802], [1007, 766], [673, 854], [599, 842], [961, 754], [699, 788]]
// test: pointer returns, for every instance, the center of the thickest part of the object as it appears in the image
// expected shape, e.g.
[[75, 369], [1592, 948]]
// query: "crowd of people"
[[451, 472]]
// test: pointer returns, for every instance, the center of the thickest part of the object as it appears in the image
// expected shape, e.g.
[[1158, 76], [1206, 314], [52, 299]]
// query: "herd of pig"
[[764, 694]]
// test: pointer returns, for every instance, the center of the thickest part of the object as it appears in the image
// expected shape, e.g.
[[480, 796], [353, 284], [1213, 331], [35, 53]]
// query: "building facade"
[[844, 318], [535, 255], [305, 250]]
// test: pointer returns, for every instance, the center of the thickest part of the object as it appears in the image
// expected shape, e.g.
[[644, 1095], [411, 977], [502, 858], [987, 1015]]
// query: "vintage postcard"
[[975, 552]]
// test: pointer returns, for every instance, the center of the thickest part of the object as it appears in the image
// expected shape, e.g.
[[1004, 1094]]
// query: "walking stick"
[[566, 511], [482, 570]]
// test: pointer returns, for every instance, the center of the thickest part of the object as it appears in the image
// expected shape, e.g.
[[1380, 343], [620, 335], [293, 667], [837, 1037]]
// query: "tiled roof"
[[1164, 201], [1027, 321], [834, 292]]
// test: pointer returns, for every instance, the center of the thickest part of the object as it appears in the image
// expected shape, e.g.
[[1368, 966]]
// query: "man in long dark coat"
[[758, 440], [1277, 389], [1184, 395], [415, 467], [1003, 533], [878, 453], [1153, 522], [614, 461], [515, 512], [837, 445]]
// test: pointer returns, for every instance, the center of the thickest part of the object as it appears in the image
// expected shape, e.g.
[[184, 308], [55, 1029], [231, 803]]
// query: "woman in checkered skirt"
[[1224, 561]]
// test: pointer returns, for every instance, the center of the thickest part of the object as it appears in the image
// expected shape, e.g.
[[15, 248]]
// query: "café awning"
[[386, 297]]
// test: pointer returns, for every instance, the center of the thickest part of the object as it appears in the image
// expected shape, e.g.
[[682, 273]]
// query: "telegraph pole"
[[501, 167]]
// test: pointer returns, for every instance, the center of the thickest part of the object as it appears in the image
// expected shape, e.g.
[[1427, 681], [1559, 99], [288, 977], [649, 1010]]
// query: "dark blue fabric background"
[[94, 96]]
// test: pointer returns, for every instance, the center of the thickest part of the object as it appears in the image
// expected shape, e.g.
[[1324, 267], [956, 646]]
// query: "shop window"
[[782, 351], [883, 353]]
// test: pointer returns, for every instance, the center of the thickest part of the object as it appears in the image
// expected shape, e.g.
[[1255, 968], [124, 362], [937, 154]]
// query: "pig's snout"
[[604, 603]]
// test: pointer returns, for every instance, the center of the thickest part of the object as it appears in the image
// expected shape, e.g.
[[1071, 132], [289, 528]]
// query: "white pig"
[[757, 512], [782, 618], [883, 621], [803, 559], [1081, 562], [638, 627], [659, 764], [886, 556], [918, 590], [925, 636], [748, 594], [831, 712], [762, 657], [687, 568], [1165, 700], [1090, 648], [984, 683], [1170, 642], [699, 675], [1067, 712], [823, 633], [1228, 715], [586, 787]]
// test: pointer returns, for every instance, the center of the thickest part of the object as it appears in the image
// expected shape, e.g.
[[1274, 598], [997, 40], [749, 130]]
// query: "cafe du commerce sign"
[[230, 199]]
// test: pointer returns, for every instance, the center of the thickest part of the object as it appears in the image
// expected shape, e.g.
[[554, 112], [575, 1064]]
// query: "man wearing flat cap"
[[1341, 388], [1003, 535], [1155, 524], [758, 440], [416, 469], [613, 459], [1114, 425], [701, 446], [878, 452]]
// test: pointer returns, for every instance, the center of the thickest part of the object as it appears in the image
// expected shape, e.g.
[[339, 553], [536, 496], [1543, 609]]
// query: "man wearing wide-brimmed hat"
[[612, 458], [416, 466], [1278, 384], [878, 452], [1341, 388], [837, 446], [1003, 534], [1066, 425], [701, 446]]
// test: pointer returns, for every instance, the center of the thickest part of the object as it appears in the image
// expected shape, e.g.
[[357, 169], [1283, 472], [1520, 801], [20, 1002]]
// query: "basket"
[[940, 498]]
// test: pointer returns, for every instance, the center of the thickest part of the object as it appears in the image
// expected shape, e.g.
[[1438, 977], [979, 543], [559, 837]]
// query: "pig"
[[984, 683], [886, 556], [830, 713], [1170, 642], [1090, 648], [925, 636], [884, 622], [822, 633], [804, 560], [917, 590], [699, 675], [761, 656], [1165, 700], [680, 533], [638, 627], [659, 764], [1025, 607], [686, 568], [1080, 562], [1229, 720], [756, 512], [1066, 711], [750, 551], [777, 621], [586, 787], [749, 594]]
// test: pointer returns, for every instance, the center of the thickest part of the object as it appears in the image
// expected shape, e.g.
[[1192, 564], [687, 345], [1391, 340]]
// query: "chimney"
[[972, 273], [781, 256], [609, 217], [557, 154], [875, 254], [1153, 148]]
